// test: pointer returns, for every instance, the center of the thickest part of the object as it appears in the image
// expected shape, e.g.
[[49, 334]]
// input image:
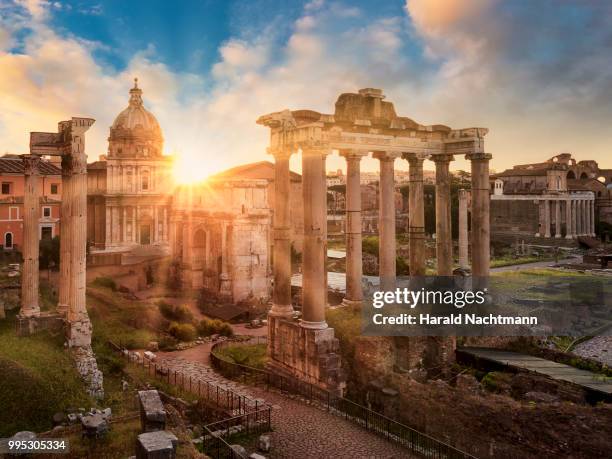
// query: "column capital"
[[353, 154], [74, 164], [386, 155], [414, 158], [31, 164], [479, 156], [280, 153], [442, 158]]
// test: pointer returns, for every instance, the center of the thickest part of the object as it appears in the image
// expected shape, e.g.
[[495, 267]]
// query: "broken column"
[[354, 260], [386, 227], [463, 229], [416, 229], [444, 237], [152, 411], [480, 227], [31, 214]]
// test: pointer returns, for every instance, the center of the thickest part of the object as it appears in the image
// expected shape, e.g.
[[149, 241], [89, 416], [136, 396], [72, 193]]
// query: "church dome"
[[135, 116]]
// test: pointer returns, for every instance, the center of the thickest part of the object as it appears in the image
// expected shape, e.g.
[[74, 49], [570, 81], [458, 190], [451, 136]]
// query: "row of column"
[[579, 218], [73, 238], [117, 221], [314, 286]]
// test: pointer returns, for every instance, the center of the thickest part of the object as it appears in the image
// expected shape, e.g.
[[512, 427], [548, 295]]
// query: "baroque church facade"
[[128, 200]]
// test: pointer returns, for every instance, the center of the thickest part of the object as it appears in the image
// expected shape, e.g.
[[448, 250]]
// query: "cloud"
[[541, 82]]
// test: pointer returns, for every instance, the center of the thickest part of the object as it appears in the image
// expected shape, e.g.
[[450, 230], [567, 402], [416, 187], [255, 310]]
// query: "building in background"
[[130, 188], [11, 201]]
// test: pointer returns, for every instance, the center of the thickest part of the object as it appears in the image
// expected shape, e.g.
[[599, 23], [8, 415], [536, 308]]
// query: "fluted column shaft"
[[579, 217], [444, 237], [557, 218], [65, 238], [314, 287], [568, 218], [546, 218], [593, 217], [463, 229], [416, 228], [386, 227], [31, 214], [481, 232], [281, 295], [354, 259]]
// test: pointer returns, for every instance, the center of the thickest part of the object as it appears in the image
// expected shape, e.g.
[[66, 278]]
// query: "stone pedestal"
[[444, 237], [310, 355], [156, 445], [31, 217], [386, 227], [416, 228], [281, 295], [354, 259], [152, 411]]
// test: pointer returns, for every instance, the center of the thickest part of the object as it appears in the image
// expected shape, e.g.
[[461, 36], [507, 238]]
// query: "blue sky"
[[537, 73]]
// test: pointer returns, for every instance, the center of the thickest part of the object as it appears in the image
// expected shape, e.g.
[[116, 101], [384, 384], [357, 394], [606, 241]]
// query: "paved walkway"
[[598, 348], [303, 431]]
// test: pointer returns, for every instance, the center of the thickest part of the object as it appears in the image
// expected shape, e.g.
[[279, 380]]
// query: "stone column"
[[386, 226], [416, 228], [156, 223], [463, 229], [31, 217], [224, 278], [79, 325], [557, 218], [165, 225], [444, 236], [579, 221], [137, 225], [593, 217], [281, 295], [354, 259], [65, 238], [107, 235], [314, 288], [124, 225], [546, 218], [574, 218], [481, 250], [568, 218]]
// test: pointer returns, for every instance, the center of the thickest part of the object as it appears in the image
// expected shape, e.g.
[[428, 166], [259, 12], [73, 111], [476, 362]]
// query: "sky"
[[537, 73]]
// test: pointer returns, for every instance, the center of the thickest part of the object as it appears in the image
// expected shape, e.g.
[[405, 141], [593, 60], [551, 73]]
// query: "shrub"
[[179, 313], [182, 332], [166, 310], [369, 244], [49, 250], [105, 282], [208, 327], [167, 343]]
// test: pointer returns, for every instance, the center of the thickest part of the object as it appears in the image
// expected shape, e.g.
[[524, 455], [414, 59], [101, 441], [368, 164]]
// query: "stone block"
[[94, 425], [156, 445], [152, 411], [239, 451], [265, 443]]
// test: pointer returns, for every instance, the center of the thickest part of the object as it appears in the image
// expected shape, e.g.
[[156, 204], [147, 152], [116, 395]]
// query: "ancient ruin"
[[69, 144], [362, 123]]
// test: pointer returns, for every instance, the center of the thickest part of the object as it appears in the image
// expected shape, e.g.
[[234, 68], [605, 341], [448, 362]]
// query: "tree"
[[49, 253]]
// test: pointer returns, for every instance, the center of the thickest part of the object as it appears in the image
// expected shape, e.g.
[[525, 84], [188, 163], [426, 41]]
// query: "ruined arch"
[[584, 176], [571, 175]]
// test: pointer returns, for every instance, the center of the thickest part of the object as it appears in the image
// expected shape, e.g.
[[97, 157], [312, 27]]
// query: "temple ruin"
[[362, 123], [69, 144]]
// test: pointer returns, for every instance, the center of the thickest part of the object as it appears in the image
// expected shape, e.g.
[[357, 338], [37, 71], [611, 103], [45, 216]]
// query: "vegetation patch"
[[105, 282], [208, 327], [254, 355]]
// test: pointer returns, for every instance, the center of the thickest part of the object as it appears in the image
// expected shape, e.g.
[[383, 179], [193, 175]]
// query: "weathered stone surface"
[[239, 450], [541, 397], [152, 411], [156, 445], [88, 369], [94, 425], [265, 443], [256, 456]]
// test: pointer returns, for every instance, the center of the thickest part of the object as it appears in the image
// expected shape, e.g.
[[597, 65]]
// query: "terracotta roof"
[[14, 165], [523, 172]]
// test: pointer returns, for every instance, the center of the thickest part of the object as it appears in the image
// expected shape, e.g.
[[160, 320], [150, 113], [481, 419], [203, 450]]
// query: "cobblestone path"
[[304, 431], [598, 348]]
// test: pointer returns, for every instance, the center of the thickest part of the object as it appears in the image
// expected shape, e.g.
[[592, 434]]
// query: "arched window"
[[144, 180], [571, 175], [584, 176], [8, 240]]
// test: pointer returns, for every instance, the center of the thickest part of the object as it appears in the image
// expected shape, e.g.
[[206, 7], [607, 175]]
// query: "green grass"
[[252, 355], [38, 379], [511, 261], [346, 323]]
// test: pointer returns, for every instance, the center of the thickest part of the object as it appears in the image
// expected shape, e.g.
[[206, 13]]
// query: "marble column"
[[314, 288], [444, 236], [79, 325], [557, 218], [108, 235], [156, 223], [386, 226], [281, 294], [224, 278], [568, 218], [416, 228], [124, 225], [65, 238], [574, 218], [31, 216], [165, 225], [463, 229], [546, 218], [579, 220], [354, 260], [481, 233], [592, 202]]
